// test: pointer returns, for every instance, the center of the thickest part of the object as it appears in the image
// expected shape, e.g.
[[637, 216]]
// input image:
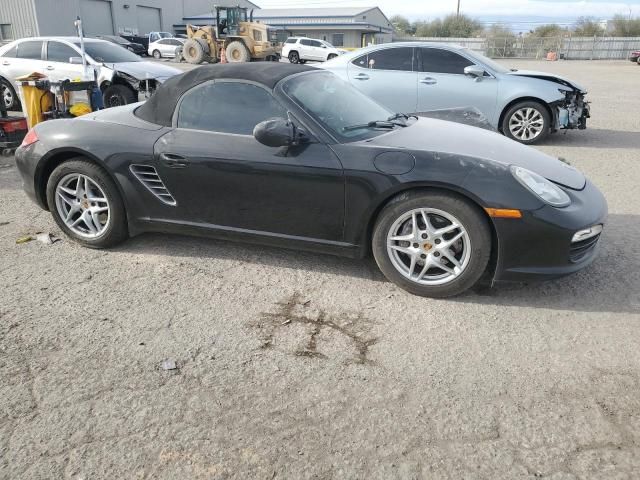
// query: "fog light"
[[586, 233]]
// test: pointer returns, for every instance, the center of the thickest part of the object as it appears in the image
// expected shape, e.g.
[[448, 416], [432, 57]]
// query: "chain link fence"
[[567, 47]]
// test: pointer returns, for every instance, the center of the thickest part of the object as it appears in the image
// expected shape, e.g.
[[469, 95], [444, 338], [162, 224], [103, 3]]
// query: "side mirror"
[[75, 60], [276, 132], [474, 71]]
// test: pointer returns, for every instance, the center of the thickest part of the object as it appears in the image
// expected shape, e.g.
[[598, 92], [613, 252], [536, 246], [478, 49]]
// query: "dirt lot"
[[296, 365]]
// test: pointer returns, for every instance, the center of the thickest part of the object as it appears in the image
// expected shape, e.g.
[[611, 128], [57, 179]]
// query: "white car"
[[301, 49], [121, 74], [165, 47]]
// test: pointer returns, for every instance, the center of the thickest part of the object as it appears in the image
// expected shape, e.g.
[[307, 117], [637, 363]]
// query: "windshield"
[[105, 52], [493, 65], [327, 44], [165, 35], [336, 105]]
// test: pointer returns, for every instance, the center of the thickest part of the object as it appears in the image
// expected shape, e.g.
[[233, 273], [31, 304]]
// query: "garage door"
[[148, 20], [96, 17]]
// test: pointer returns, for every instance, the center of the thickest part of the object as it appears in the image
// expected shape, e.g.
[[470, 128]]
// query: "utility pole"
[[458, 10]]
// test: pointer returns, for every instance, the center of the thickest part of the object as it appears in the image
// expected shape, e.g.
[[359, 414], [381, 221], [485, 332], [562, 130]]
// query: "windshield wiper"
[[388, 123], [372, 124]]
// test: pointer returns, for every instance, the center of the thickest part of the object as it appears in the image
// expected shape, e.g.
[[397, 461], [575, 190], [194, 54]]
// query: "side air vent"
[[149, 177]]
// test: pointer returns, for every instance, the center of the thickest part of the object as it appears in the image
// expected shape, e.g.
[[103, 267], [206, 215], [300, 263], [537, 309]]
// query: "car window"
[[315, 43], [291, 40], [11, 53], [437, 60], [172, 41], [31, 50], [306, 42], [387, 59], [227, 107], [59, 52], [106, 52]]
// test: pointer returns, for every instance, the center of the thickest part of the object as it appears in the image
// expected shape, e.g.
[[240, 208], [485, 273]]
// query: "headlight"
[[541, 187]]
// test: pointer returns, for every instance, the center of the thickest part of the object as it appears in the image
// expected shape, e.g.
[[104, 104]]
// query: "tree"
[[450, 26], [625, 27], [401, 25], [549, 30], [587, 27]]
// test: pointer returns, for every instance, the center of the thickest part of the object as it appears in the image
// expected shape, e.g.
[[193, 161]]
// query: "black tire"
[[193, 51], [117, 95], [469, 215], [9, 96], [157, 55], [117, 231], [540, 108], [294, 57], [331, 55], [236, 52]]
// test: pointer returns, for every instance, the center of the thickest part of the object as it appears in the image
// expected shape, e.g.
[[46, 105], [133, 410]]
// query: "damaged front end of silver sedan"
[[570, 112]]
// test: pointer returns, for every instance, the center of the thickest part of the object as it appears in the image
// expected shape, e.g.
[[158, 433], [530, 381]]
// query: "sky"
[[538, 11]]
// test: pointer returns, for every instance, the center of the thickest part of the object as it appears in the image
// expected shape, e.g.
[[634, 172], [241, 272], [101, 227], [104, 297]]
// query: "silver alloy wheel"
[[526, 123], [82, 205], [7, 95], [429, 246]]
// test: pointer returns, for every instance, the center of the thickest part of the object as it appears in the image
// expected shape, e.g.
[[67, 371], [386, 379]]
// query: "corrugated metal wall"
[[21, 15]]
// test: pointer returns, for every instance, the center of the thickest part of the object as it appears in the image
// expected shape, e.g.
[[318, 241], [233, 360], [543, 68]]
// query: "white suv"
[[300, 49]]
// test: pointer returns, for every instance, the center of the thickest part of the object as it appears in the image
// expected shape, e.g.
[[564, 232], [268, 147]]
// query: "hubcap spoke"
[[82, 205], [423, 253]]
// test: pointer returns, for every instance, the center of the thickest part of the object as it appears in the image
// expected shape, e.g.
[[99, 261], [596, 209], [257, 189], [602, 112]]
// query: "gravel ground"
[[297, 365]]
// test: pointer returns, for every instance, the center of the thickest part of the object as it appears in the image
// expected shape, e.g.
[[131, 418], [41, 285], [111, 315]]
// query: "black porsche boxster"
[[293, 156]]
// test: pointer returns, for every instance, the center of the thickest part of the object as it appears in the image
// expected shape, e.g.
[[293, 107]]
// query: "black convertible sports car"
[[293, 156]]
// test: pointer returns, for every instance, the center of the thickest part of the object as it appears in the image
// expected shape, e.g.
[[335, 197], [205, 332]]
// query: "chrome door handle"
[[361, 76], [174, 161], [429, 81]]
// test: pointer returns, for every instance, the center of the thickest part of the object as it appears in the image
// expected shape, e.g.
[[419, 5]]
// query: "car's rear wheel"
[[9, 96], [432, 244], [527, 122], [117, 95], [294, 57], [86, 204], [157, 55]]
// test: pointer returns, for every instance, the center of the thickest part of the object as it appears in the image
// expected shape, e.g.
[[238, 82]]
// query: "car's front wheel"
[[117, 95], [433, 244], [86, 204], [157, 55], [527, 122]]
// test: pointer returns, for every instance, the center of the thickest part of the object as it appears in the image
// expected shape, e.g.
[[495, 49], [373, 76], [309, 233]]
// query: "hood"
[[143, 70], [549, 77], [433, 135]]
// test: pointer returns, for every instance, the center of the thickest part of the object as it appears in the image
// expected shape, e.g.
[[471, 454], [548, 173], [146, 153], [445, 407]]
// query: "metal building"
[[345, 27], [26, 18]]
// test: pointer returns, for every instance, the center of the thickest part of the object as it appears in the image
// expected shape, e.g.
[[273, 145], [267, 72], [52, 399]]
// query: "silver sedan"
[[420, 77]]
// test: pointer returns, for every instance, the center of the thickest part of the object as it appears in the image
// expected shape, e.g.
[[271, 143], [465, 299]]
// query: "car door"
[[57, 65], [318, 51], [387, 75], [221, 176], [25, 59], [169, 46], [442, 83], [306, 50]]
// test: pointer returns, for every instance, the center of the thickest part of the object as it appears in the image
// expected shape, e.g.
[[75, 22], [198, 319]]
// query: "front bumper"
[[539, 245]]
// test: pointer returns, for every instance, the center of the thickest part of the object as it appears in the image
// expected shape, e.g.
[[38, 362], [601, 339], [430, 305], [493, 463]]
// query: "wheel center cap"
[[427, 246], [84, 204]]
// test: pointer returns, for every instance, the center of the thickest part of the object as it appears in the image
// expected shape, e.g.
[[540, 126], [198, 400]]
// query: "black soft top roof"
[[160, 107]]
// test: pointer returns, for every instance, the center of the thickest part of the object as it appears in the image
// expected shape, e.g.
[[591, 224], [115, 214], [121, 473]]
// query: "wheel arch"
[[506, 108], [367, 235], [53, 159]]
